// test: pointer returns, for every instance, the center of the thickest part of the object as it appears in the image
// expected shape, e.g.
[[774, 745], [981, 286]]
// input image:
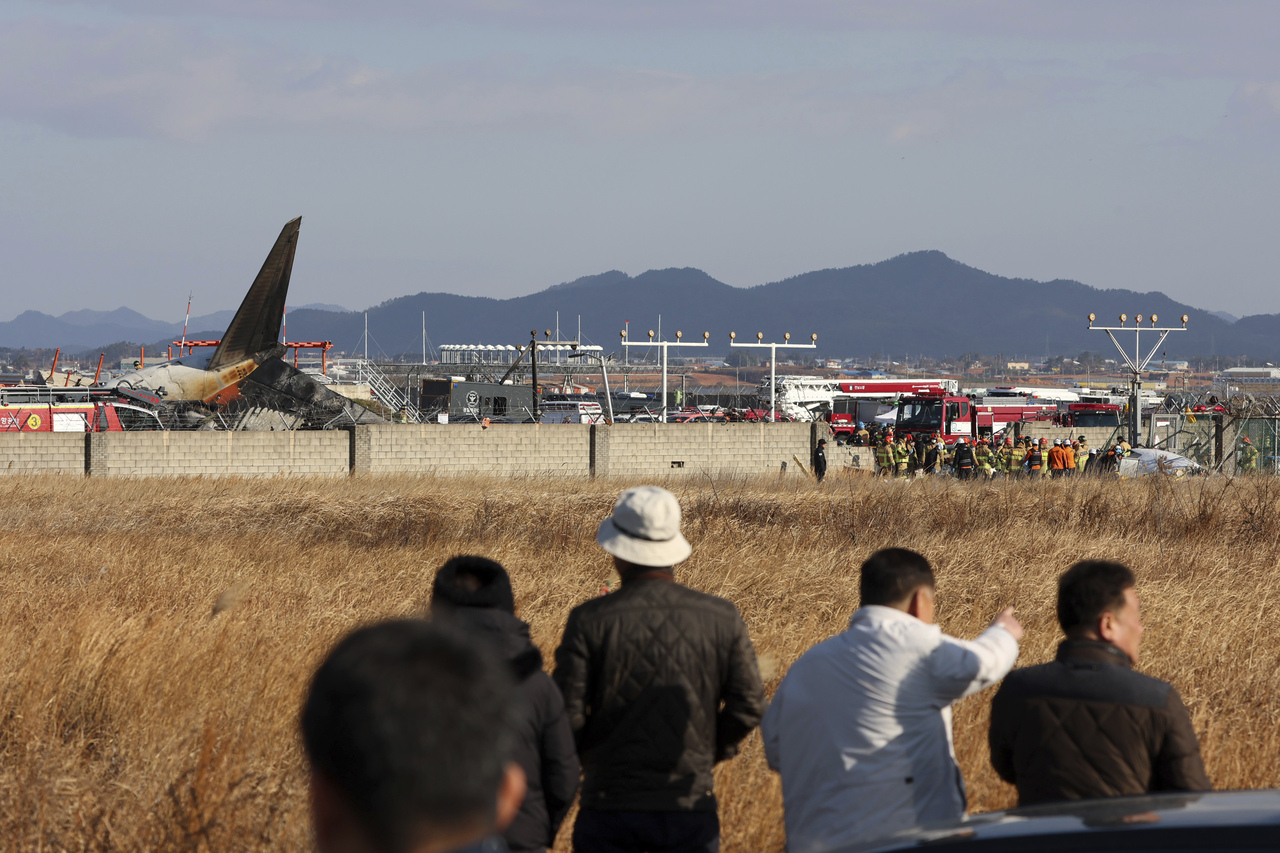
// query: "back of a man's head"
[[891, 575], [1087, 590], [471, 581], [412, 728]]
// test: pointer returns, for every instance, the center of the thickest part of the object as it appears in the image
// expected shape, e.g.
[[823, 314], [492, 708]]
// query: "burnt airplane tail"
[[256, 326]]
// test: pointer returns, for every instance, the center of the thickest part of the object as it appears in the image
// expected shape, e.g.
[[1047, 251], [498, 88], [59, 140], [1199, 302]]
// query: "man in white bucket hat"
[[660, 682]]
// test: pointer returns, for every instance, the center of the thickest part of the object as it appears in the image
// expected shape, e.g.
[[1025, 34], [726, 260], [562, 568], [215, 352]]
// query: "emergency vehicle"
[[962, 417], [35, 408], [1085, 415]]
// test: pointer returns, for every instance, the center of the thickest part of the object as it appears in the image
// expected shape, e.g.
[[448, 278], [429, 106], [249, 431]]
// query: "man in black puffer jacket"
[[1087, 725], [473, 594], [660, 683]]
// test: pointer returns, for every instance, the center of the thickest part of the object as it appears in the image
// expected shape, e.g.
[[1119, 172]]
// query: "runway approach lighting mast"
[[1137, 363], [773, 362], [664, 345]]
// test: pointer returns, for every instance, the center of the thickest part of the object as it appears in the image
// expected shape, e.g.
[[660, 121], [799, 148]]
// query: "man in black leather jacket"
[[660, 683]]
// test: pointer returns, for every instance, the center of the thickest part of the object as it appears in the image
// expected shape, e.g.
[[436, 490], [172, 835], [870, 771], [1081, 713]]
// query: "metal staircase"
[[387, 394]]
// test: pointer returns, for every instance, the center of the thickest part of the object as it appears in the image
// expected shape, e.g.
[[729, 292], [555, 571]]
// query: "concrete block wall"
[[218, 454], [42, 452], [657, 450], [623, 450], [502, 450]]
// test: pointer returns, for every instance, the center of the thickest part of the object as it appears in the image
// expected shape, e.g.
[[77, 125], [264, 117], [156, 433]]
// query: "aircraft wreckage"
[[246, 383]]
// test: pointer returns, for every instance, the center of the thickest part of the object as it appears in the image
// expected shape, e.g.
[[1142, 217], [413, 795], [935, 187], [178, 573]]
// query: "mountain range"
[[917, 303], [85, 329]]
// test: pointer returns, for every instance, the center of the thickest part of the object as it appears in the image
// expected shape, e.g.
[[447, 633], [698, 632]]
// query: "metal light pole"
[[664, 346], [604, 369], [773, 362], [1137, 363]]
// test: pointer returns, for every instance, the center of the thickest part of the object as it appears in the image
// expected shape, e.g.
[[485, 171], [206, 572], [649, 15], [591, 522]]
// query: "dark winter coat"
[[660, 682], [819, 461], [1087, 725], [544, 745]]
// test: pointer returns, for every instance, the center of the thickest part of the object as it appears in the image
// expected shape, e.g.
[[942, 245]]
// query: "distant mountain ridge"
[[916, 303], [86, 328]]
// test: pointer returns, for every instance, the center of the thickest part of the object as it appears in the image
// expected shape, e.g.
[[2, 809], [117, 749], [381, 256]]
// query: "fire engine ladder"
[[387, 394]]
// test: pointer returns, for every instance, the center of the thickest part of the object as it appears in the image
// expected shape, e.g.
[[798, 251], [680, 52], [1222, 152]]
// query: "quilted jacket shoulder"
[[660, 682], [1086, 725]]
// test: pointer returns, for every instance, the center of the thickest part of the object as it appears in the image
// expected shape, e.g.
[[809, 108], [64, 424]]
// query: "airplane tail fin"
[[256, 326]]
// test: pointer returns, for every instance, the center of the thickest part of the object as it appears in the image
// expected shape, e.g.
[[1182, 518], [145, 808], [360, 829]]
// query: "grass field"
[[156, 637]]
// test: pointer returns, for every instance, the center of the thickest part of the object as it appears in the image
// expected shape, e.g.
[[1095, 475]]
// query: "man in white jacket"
[[860, 728]]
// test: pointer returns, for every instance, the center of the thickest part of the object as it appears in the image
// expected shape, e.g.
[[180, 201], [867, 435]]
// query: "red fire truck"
[[35, 408], [853, 401], [962, 417], [1085, 415]]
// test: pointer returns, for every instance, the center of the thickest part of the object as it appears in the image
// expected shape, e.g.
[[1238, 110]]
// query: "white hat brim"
[[642, 552]]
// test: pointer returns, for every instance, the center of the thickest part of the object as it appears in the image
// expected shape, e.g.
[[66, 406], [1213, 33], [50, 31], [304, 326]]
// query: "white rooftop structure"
[[504, 353]]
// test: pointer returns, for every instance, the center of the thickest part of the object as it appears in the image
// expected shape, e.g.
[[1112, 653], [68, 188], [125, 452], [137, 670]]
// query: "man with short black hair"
[[409, 731], [473, 594], [1087, 725], [860, 728], [661, 683]]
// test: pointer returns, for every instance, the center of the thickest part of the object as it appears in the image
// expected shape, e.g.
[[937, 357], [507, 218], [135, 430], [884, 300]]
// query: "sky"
[[152, 149]]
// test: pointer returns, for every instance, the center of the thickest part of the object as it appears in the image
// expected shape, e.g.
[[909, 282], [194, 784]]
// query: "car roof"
[[1167, 821]]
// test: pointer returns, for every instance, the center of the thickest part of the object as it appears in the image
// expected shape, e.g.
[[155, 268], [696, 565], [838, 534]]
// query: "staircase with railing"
[[386, 393]]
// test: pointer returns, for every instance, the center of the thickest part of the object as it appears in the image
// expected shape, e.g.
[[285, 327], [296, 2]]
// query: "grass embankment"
[[156, 636]]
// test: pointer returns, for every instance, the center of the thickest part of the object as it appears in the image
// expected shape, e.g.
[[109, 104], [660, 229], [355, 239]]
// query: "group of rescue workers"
[[907, 456]]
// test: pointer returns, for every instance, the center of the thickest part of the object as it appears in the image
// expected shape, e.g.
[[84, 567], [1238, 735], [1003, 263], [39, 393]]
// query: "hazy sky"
[[496, 147]]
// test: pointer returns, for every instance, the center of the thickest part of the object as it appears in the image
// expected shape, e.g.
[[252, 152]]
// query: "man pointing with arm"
[[860, 728]]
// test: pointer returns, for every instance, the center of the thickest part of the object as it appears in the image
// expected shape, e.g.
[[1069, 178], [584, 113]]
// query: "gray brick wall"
[[654, 450], [42, 452], [622, 450], [503, 449], [219, 454]]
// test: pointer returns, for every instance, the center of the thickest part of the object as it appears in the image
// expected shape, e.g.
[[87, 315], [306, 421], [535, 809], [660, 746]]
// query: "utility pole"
[[773, 362], [664, 346], [1137, 363]]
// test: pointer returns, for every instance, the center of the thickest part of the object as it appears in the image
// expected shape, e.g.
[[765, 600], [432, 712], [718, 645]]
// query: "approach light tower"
[[1137, 363], [773, 362], [664, 346]]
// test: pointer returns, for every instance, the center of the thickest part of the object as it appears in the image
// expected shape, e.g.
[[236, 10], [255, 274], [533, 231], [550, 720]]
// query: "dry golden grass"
[[156, 637]]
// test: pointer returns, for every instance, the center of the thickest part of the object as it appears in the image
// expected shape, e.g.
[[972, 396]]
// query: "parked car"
[[1223, 820]]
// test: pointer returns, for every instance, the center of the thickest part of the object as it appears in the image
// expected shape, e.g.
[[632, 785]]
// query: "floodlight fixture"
[[773, 360], [664, 346], [1134, 360]]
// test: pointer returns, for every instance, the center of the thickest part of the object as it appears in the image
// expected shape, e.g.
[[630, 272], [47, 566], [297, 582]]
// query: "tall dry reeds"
[[156, 637]]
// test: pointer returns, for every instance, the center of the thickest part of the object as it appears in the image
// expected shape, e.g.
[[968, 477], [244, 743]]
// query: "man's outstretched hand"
[[1007, 621]]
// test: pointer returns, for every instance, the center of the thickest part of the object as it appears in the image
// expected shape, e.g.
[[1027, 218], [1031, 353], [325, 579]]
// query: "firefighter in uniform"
[[902, 457], [1036, 462], [982, 455], [1247, 457], [885, 456], [962, 459], [1010, 458]]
